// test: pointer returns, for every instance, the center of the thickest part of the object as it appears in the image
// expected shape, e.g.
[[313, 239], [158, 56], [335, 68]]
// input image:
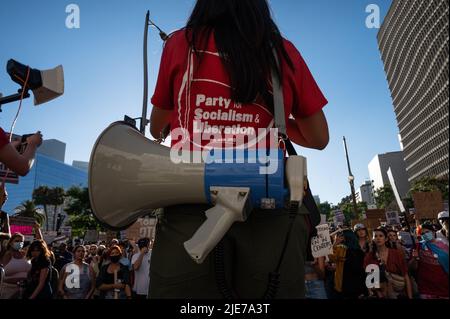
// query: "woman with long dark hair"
[[394, 279], [39, 277], [215, 88]]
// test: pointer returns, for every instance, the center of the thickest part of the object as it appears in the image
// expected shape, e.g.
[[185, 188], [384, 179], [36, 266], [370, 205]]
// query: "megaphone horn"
[[130, 175]]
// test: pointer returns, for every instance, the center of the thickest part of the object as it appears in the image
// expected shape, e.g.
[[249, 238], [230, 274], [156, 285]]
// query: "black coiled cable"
[[219, 263], [274, 277]]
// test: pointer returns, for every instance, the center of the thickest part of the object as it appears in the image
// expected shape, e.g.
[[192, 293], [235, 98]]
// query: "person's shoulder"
[[440, 243], [176, 38], [396, 252], [124, 267], [135, 256], [290, 48], [43, 263]]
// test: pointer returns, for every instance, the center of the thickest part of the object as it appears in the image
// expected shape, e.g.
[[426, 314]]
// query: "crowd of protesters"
[[36, 270], [384, 266]]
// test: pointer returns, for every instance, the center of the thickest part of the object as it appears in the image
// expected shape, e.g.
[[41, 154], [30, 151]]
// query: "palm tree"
[[57, 197], [29, 209], [41, 196]]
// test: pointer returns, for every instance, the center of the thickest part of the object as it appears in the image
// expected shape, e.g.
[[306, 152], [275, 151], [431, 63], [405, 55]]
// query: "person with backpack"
[[215, 80]]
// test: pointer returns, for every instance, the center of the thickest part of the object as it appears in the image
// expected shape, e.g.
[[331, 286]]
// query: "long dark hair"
[[245, 36], [374, 245], [45, 253]]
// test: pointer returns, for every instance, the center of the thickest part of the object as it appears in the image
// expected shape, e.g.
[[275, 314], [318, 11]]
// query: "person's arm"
[[159, 119], [413, 263], [408, 286], [21, 164], [138, 262], [7, 230], [310, 132], [42, 279], [105, 287], [91, 291], [61, 282], [37, 231], [128, 291], [320, 269]]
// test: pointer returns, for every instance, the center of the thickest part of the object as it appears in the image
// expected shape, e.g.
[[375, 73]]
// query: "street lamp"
[[351, 179]]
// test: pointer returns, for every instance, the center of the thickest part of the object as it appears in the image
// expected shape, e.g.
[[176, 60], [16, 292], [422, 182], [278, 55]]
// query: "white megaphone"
[[130, 175]]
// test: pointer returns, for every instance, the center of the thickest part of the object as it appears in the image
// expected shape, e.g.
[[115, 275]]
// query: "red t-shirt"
[[395, 264], [3, 138], [431, 277], [200, 95]]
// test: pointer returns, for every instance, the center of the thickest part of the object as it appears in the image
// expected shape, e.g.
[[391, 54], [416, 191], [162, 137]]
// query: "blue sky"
[[103, 73]]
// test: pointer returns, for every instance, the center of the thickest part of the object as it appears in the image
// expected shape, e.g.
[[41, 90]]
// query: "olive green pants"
[[251, 251]]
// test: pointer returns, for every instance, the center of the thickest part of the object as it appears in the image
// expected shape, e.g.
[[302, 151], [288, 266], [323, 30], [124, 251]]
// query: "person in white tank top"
[[16, 267]]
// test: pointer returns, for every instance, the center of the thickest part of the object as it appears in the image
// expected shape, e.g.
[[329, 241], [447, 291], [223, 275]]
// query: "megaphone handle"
[[218, 222]]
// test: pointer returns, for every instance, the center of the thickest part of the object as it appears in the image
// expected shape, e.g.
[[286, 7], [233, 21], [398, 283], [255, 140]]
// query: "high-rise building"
[[48, 170], [413, 42], [365, 193], [379, 166], [81, 165]]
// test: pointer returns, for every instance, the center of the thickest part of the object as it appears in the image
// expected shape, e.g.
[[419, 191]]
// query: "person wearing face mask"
[[16, 267], [443, 233], [113, 280], [430, 262]]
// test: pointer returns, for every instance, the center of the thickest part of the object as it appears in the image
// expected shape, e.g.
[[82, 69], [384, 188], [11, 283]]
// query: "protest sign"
[[428, 204], [321, 244], [91, 236], [392, 218]]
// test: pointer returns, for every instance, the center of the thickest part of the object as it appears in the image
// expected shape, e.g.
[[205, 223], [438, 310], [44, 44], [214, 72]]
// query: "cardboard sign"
[[392, 218], [91, 236], [22, 221], [66, 231], [49, 236], [102, 236], [376, 214], [321, 244], [338, 218], [406, 239], [428, 204], [143, 227], [24, 230]]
